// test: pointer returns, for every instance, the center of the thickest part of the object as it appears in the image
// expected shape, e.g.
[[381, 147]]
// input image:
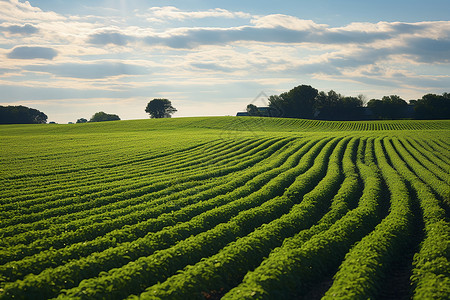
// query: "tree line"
[[302, 101], [100, 117], [306, 102], [21, 115], [156, 108]]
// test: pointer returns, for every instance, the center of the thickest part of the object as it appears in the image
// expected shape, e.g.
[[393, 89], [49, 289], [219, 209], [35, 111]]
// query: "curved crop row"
[[426, 172], [159, 266], [254, 179], [312, 253], [432, 262], [142, 185], [18, 251], [229, 265], [441, 164], [70, 274], [37, 188], [366, 263], [132, 201], [146, 185]]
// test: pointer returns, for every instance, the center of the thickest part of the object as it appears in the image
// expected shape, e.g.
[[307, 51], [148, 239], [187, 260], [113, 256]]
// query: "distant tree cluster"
[[81, 120], [21, 115], [433, 106], [101, 117], [334, 106], [253, 110], [307, 102], [389, 107]]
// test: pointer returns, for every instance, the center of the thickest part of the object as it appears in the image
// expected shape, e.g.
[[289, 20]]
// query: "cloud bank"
[[426, 42], [114, 38], [212, 55], [26, 29], [25, 52], [160, 14], [90, 71]]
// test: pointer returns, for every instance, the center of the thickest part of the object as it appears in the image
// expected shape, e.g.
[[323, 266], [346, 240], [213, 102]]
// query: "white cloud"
[[90, 70], [159, 14], [16, 11], [289, 22], [19, 29], [26, 52]]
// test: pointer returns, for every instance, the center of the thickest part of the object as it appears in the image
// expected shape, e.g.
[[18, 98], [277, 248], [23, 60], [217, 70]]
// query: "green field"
[[238, 208]]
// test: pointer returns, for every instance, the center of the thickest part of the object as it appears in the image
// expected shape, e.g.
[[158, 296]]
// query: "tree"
[[433, 106], [276, 105], [349, 108], [301, 100], [101, 117], [21, 115], [324, 100], [389, 107], [160, 108], [297, 103], [252, 110], [363, 99], [82, 120], [376, 107], [334, 106], [326, 105]]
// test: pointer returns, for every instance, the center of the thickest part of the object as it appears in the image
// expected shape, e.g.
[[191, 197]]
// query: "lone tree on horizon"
[[160, 108]]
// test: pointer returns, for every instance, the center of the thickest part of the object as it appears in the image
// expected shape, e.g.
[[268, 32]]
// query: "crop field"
[[225, 207]]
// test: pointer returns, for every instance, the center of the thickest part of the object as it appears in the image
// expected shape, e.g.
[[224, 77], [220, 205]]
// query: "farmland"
[[225, 207]]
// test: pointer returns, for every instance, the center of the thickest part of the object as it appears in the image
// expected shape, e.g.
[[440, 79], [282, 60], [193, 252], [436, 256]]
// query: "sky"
[[71, 59]]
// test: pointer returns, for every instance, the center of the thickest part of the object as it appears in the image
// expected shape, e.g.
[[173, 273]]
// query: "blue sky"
[[71, 59]]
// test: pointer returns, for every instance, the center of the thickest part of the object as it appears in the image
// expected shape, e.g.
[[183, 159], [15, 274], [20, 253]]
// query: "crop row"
[[127, 252], [228, 267], [428, 159], [43, 184], [318, 125], [429, 173], [175, 212], [289, 270], [147, 187], [126, 176], [431, 263], [98, 228], [159, 266]]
